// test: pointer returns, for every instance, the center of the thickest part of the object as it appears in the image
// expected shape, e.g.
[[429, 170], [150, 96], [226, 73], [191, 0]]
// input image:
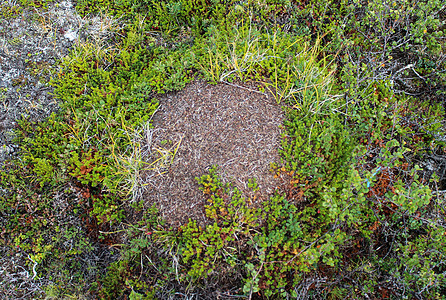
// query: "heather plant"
[[10, 9]]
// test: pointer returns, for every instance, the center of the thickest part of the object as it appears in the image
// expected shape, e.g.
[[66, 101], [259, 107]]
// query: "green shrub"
[[231, 220]]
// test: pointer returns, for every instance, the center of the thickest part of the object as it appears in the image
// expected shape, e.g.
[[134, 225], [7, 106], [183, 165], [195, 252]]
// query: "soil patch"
[[233, 127]]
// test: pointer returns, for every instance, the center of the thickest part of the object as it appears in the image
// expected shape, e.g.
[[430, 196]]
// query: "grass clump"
[[285, 62]]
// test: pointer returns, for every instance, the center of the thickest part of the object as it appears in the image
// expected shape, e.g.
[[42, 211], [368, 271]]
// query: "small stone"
[[71, 35], [6, 150], [66, 4]]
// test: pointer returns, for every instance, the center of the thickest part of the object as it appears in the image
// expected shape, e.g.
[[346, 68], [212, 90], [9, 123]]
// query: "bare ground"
[[234, 127]]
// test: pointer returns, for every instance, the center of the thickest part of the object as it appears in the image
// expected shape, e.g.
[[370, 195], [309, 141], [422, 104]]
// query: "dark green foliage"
[[115, 280], [168, 17], [9, 9], [324, 136]]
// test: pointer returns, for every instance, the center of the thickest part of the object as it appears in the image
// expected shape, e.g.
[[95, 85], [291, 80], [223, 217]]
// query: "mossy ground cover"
[[360, 213]]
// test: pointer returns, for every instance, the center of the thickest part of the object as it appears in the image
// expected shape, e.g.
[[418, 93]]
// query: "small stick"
[[242, 87]]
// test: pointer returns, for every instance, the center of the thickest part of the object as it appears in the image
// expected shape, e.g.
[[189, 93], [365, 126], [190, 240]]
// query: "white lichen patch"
[[71, 35], [32, 43]]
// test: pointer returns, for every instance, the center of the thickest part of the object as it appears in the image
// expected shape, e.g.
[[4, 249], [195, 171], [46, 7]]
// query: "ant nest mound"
[[233, 127]]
